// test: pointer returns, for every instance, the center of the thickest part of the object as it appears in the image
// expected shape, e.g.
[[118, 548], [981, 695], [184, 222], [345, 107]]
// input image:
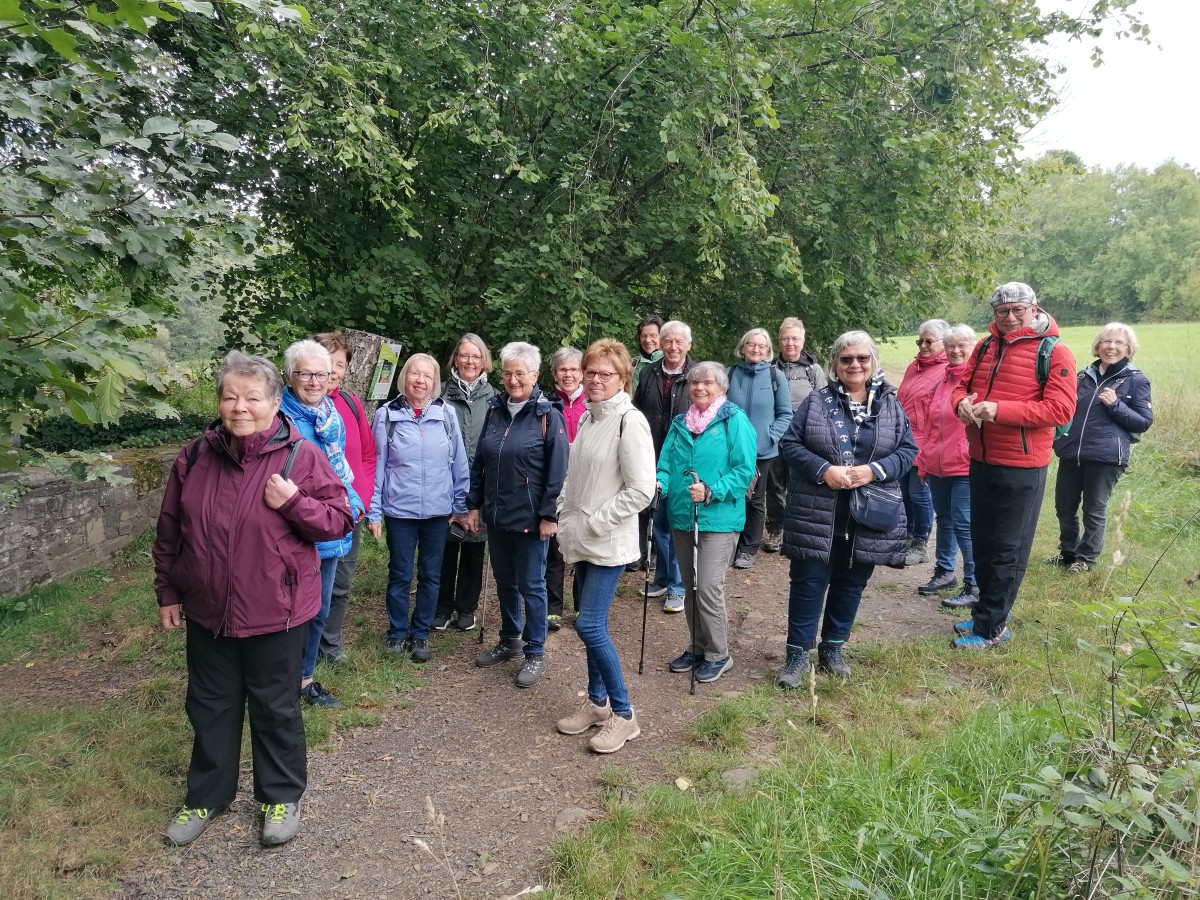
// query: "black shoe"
[[554, 622], [795, 669], [712, 669], [333, 660], [965, 600], [465, 622], [685, 662], [639, 566], [440, 622], [743, 561], [531, 671], [398, 645], [315, 695], [830, 659], [421, 651], [942, 580], [772, 541], [1060, 559], [501, 652]]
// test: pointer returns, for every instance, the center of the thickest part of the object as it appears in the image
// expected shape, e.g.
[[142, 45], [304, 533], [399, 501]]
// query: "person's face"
[[601, 380], [338, 372], [309, 380], [704, 393], [791, 344], [675, 348], [418, 383], [245, 405], [518, 381], [928, 345], [854, 367], [1112, 348], [648, 339], [957, 351], [567, 377], [468, 361], [1013, 316], [756, 350]]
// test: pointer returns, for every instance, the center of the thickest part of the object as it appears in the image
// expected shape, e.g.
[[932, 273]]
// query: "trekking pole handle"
[[695, 476]]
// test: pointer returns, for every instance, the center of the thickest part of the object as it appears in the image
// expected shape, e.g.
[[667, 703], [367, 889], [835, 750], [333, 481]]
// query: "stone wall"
[[62, 526]]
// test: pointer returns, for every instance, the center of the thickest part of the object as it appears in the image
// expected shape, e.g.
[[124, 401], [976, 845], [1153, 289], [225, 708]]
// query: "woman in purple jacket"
[[243, 507]]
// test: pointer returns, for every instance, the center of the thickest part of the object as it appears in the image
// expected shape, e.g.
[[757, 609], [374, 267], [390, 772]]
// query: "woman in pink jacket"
[[914, 394], [943, 462]]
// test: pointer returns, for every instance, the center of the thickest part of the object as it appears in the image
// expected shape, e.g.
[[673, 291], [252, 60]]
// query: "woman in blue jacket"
[[1112, 410], [762, 393], [421, 481]]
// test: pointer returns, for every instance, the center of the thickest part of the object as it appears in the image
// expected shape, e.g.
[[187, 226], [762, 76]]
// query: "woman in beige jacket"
[[610, 479]]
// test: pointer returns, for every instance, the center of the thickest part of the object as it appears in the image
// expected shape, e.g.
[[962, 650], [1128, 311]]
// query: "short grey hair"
[[754, 332], [477, 342], [937, 327], [564, 356], [526, 354], [306, 349], [1116, 328], [850, 339], [238, 363], [791, 322], [675, 327], [961, 332], [429, 361], [705, 370]]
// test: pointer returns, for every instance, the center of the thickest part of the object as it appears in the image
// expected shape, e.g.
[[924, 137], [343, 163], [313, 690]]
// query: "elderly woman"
[[943, 462], [609, 481], [704, 470], [565, 369], [516, 477], [306, 367], [922, 374], [803, 375], [761, 390], [243, 506], [848, 446], [360, 455], [1112, 411], [421, 481]]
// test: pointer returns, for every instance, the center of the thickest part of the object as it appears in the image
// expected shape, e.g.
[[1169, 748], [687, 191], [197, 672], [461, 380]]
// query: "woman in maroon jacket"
[[243, 506]]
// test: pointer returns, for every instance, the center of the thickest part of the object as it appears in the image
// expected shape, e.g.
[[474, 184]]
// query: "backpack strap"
[[192, 454], [355, 405], [293, 450], [1045, 349]]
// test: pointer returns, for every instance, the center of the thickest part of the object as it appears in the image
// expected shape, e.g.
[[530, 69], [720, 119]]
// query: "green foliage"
[[131, 430]]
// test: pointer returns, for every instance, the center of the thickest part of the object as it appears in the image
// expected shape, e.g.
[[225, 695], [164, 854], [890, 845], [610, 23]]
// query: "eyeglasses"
[[602, 377], [926, 342], [861, 360], [468, 357], [514, 376], [1116, 342], [1014, 311], [313, 376]]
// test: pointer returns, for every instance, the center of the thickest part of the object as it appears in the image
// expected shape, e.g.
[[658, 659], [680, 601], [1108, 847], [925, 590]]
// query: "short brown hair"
[[333, 341], [617, 354]]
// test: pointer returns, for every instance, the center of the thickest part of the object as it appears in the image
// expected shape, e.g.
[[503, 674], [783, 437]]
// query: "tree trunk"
[[364, 360]]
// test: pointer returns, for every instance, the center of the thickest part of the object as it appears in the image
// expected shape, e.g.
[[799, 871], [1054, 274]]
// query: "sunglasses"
[[1015, 311], [925, 342], [861, 360]]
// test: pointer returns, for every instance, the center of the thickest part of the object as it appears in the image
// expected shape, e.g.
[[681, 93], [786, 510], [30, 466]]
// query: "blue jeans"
[[666, 567], [837, 586], [316, 625], [597, 586], [519, 564], [425, 539], [918, 508], [952, 503]]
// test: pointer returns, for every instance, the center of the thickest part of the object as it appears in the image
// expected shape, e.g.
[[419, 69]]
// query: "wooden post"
[[365, 354]]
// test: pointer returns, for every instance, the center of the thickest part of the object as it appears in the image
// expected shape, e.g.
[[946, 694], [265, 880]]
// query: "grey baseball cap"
[[1014, 292]]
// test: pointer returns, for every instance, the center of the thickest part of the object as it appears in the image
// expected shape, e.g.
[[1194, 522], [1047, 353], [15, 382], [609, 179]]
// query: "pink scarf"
[[697, 421]]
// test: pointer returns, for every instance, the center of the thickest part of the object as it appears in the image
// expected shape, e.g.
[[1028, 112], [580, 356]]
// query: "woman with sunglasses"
[[851, 436]]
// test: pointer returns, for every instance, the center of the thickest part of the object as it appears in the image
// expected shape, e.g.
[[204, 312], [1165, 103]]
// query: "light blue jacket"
[[762, 392], [421, 462]]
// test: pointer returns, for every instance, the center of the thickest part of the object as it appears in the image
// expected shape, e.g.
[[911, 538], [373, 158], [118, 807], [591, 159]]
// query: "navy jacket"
[[1099, 433], [518, 469], [814, 512]]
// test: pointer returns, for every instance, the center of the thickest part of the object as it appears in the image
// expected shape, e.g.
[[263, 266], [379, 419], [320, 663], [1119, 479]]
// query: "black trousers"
[[225, 676], [1005, 502], [1092, 485], [556, 577], [462, 577], [756, 510], [777, 487]]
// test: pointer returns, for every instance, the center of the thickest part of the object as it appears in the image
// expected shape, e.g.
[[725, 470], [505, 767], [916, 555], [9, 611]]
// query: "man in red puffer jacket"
[[1011, 410]]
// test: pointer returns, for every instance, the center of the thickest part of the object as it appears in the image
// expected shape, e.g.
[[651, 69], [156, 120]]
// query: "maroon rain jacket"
[[239, 567]]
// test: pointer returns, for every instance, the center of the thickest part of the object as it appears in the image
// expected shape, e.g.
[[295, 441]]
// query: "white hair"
[[306, 349]]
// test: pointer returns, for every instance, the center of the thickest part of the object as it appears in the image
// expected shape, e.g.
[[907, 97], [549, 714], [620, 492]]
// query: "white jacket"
[[610, 479]]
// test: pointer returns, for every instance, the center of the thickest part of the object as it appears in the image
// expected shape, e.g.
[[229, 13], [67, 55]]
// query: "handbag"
[[876, 508]]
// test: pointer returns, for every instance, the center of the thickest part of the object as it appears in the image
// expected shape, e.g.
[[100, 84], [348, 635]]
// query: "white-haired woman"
[[761, 390], [306, 369], [914, 393], [849, 444], [421, 481], [516, 477], [1112, 410]]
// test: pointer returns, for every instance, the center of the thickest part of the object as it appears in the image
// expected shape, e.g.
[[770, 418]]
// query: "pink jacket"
[[943, 450], [360, 443], [916, 391], [572, 411]]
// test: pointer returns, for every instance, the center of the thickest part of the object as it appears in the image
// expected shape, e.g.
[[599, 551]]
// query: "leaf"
[[108, 394], [62, 41], [224, 141], [159, 125], [683, 784]]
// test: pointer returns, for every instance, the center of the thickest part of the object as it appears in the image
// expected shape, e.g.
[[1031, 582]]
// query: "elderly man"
[[1019, 384], [662, 394]]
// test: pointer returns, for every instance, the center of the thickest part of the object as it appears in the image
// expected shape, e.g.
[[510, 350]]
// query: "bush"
[[133, 430]]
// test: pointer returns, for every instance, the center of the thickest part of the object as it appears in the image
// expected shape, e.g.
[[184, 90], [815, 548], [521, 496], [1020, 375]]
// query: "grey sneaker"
[[531, 671], [655, 591], [964, 600], [773, 541], [918, 553], [190, 824], [421, 651], [500, 653], [942, 580], [712, 669], [743, 561], [281, 821], [830, 659], [795, 669], [673, 603]]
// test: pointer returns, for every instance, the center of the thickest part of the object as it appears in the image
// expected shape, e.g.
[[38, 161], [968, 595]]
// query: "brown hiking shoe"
[[585, 717], [614, 733]]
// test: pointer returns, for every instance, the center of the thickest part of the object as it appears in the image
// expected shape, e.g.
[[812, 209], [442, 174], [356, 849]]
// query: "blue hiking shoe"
[[972, 641], [966, 626]]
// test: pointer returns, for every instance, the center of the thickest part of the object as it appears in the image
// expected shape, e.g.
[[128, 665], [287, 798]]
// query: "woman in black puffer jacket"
[[1112, 411]]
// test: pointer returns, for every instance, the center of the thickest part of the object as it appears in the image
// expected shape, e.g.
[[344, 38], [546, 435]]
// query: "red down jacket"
[[1027, 412]]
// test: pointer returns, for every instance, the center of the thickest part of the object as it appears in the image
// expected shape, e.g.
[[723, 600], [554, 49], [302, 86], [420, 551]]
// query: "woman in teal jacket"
[[704, 470]]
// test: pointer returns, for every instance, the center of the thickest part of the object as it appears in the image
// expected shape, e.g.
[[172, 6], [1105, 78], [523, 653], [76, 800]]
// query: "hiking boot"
[[743, 561], [673, 603], [281, 821], [553, 623], [190, 824], [712, 669], [640, 566], [918, 553], [655, 591], [615, 732], [830, 659], [421, 651], [1079, 567], [795, 669], [465, 622], [942, 580], [773, 541], [966, 626], [972, 641], [504, 650], [685, 662], [315, 695], [440, 622], [585, 717], [398, 645], [965, 600], [334, 660], [1060, 559], [531, 671]]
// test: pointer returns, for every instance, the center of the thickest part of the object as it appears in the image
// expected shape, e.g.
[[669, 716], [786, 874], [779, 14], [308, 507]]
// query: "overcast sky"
[[1142, 106]]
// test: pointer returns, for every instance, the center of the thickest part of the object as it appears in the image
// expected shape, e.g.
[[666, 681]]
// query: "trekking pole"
[[695, 574], [649, 569], [483, 592]]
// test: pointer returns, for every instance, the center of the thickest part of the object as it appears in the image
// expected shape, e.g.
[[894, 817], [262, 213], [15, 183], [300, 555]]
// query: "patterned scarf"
[[865, 410], [327, 424], [697, 421]]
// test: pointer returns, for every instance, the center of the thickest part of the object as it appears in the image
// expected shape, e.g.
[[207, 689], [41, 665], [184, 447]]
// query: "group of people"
[[663, 463]]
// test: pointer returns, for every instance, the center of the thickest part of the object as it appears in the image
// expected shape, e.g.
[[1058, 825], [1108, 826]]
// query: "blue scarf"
[[327, 425]]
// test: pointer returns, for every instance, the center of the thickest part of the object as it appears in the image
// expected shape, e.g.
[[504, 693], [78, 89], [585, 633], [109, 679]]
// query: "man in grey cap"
[[1019, 384]]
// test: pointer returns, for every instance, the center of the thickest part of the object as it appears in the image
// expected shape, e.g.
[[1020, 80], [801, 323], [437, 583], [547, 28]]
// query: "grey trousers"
[[707, 619], [331, 637]]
